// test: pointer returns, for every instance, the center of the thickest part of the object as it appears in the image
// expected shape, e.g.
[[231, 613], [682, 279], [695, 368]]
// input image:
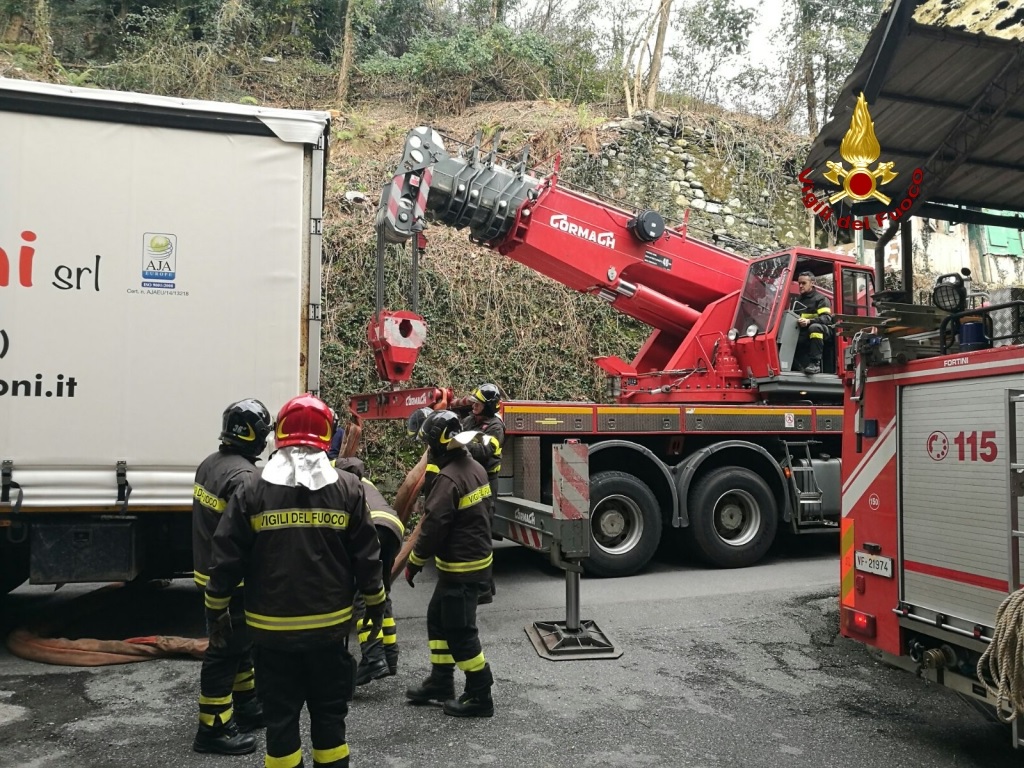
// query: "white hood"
[[300, 465]]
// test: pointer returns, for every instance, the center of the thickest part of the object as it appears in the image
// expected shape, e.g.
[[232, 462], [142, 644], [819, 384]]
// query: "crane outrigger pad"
[[553, 640]]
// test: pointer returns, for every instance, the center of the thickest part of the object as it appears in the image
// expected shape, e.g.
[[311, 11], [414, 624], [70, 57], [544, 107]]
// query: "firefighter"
[[457, 534], [487, 449], [379, 654], [228, 706], [815, 324], [300, 534]]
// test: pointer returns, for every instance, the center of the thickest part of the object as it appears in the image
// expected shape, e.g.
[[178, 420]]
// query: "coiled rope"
[[1003, 660]]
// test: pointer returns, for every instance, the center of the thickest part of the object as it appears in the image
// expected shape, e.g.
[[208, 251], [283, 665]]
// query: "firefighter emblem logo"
[[860, 149], [937, 446]]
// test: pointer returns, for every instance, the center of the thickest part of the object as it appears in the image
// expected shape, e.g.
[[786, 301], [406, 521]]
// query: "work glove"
[[220, 628], [373, 621], [411, 571]]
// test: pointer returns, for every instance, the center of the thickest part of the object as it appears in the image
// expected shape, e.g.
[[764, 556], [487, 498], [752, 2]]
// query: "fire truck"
[[709, 428], [932, 474]]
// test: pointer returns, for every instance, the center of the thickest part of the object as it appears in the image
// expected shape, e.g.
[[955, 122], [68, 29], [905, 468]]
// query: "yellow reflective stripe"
[[207, 718], [475, 497], [495, 469], [215, 701], [299, 518], [216, 603], [288, 623], [376, 598], [209, 500], [438, 645], [417, 560], [808, 315], [389, 621], [380, 514], [200, 578], [816, 336], [433, 468], [824, 311], [330, 755], [493, 442], [244, 682], [390, 639], [441, 658], [473, 565], [288, 761], [473, 665]]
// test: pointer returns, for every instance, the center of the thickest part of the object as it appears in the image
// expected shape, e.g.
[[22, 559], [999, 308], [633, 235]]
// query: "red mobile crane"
[[709, 429]]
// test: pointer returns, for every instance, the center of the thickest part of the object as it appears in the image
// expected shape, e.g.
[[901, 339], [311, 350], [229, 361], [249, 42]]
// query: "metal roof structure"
[[944, 83]]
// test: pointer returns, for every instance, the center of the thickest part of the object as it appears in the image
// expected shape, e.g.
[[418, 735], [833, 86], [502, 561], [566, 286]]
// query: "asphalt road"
[[738, 668]]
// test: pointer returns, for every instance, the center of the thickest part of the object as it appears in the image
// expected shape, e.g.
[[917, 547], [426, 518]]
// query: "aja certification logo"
[[159, 256], [860, 182]]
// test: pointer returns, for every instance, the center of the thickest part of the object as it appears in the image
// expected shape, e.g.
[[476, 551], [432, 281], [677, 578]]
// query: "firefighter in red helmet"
[[300, 534], [228, 706]]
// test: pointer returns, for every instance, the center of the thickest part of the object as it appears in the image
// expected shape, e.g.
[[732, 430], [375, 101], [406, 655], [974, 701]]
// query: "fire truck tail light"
[[859, 622]]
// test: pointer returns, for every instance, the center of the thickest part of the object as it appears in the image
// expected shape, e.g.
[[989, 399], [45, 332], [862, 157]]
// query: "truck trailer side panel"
[[151, 272]]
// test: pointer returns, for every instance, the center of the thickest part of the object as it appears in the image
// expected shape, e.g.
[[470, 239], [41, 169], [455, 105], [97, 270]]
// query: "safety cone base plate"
[[553, 641]]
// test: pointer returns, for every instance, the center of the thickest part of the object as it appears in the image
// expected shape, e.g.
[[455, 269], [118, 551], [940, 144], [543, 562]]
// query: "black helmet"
[[412, 426], [438, 430], [246, 426], [490, 396]]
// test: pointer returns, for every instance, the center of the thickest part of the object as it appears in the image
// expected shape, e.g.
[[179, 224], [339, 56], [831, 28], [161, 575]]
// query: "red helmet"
[[304, 420]]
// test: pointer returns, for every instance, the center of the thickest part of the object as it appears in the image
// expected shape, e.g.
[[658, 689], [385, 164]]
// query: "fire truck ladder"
[[803, 486], [1015, 489]]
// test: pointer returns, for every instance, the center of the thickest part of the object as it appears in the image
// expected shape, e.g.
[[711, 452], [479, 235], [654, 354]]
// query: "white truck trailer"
[[159, 259]]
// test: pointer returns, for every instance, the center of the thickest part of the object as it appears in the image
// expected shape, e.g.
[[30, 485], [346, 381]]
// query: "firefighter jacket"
[[303, 554], [813, 306], [488, 450], [383, 515], [217, 478], [456, 528]]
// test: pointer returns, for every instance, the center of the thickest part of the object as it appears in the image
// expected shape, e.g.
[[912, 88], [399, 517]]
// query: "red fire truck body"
[[928, 506]]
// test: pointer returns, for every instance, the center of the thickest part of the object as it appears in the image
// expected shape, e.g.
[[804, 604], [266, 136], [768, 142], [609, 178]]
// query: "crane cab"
[[769, 343]]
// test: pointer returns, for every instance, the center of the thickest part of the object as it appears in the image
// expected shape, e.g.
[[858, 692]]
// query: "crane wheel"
[[625, 524], [733, 517]]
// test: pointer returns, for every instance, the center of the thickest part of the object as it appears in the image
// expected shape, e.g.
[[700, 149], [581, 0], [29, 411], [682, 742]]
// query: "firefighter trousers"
[[453, 635], [322, 679], [227, 677], [385, 644], [811, 344]]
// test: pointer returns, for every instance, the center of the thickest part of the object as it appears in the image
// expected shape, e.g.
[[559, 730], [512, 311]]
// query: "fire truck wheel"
[[13, 568], [733, 517], [625, 524]]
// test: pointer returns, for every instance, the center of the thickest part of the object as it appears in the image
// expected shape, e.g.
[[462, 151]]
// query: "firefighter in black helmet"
[[301, 535], [486, 449], [456, 533], [228, 707]]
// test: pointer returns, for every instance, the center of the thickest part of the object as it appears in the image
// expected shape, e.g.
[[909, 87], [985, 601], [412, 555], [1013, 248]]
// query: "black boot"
[[223, 740], [440, 686], [373, 665], [476, 701], [391, 655], [249, 714]]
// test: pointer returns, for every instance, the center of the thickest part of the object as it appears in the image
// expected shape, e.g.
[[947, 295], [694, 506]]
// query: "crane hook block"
[[396, 338]]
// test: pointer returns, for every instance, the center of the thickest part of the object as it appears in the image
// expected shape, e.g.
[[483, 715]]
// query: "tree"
[[347, 45], [664, 14], [826, 37], [712, 33]]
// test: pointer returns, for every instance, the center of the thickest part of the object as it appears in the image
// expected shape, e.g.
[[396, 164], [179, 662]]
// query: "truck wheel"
[[625, 525], [733, 517], [13, 568]]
